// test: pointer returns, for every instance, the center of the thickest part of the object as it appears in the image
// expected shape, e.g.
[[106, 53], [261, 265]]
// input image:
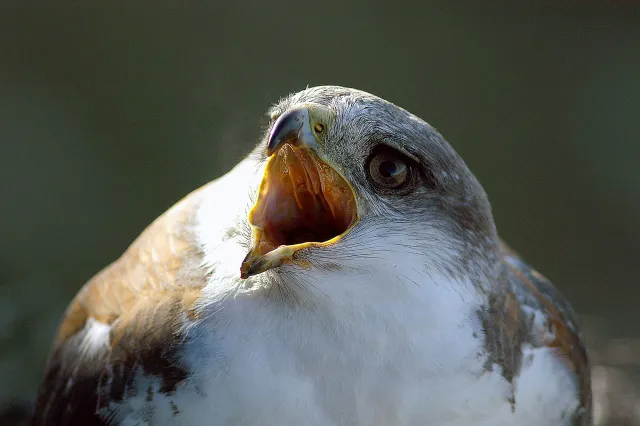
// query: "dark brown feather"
[[507, 327]]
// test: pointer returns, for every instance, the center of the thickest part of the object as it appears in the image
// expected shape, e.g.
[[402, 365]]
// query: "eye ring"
[[389, 169], [318, 127]]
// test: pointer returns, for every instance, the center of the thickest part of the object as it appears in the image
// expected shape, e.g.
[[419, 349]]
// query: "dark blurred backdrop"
[[110, 114]]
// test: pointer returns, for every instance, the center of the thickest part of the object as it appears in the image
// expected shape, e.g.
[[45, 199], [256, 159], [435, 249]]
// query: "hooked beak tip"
[[293, 126]]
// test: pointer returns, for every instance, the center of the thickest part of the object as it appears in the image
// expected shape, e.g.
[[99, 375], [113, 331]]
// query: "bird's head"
[[352, 180]]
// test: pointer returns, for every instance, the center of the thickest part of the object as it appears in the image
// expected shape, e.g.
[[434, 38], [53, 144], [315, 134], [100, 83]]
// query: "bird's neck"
[[382, 306]]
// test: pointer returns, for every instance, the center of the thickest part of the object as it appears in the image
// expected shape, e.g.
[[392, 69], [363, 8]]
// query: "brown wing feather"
[[143, 297], [524, 286]]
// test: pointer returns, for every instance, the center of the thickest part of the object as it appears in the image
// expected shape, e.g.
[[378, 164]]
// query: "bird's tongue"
[[301, 200]]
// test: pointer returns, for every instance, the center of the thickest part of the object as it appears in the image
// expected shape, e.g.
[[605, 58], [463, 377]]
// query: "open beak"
[[303, 202]]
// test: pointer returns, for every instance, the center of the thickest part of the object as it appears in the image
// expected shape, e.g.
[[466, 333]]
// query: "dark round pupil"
[[389, 169]]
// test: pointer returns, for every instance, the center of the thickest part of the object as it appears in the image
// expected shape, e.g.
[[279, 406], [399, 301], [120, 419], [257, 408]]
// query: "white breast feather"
[[376, 354]]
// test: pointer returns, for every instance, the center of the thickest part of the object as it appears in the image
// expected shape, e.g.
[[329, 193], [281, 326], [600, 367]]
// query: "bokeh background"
[[110, 114]]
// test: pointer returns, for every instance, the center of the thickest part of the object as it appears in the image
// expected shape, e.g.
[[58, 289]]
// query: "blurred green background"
[[110, 114]]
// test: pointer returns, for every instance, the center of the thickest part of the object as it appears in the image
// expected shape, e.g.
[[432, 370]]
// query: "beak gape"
[[302, 202]]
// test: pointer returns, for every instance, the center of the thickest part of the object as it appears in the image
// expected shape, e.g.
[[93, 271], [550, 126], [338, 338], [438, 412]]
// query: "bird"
[[348, 271]]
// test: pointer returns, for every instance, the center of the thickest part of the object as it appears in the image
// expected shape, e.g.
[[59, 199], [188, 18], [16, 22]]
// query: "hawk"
[[346, 272]]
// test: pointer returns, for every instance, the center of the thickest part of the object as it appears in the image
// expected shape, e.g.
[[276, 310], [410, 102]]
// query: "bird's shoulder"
[[528, 311], [125, 322]]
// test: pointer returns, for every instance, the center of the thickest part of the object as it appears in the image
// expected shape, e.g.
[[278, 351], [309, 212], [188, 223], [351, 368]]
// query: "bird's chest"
[[298, 371]]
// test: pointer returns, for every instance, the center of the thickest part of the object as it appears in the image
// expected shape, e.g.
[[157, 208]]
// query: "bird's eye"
[[389, 169]]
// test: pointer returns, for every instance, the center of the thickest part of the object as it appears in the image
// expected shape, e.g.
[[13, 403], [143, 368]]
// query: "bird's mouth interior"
[[302, 202]]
